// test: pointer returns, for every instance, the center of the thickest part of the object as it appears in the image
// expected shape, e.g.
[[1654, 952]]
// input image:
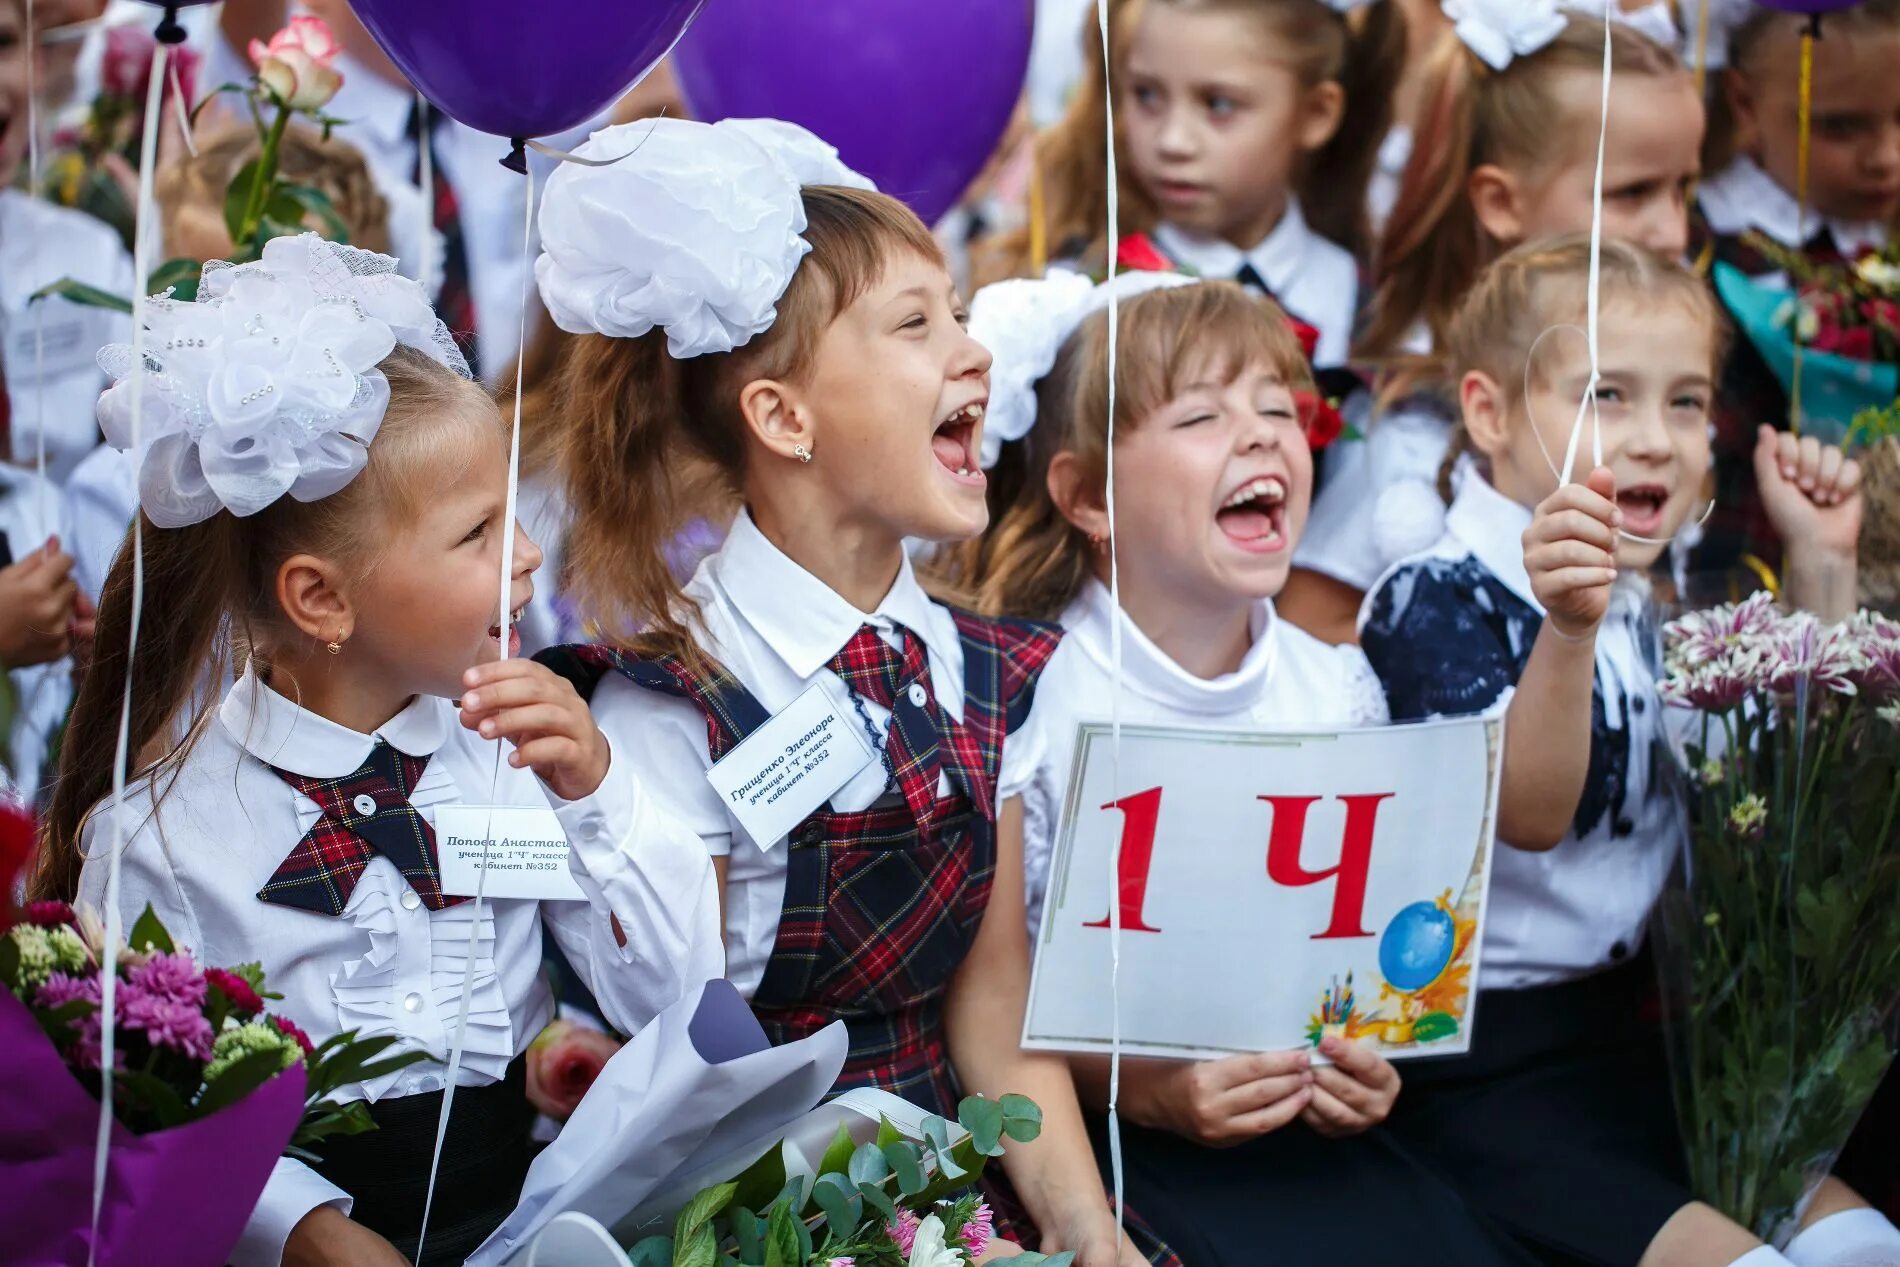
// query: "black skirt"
[[1558, 1124], [484, 1159]]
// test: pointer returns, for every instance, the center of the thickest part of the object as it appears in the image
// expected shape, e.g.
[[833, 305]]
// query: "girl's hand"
[[326, 1237], [39, 608], [544, 717], [1811, 492], [1355, 1094], [1229, 1101], [1570, 553], [1090, 1231]]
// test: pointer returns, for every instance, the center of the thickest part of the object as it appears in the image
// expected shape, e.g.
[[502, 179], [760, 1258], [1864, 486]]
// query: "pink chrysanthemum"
[[61, 989], [236, 990], [170, 976], [842, 1262], [903, 1231], [289, 1028], [166, 1022], [977, 1232]]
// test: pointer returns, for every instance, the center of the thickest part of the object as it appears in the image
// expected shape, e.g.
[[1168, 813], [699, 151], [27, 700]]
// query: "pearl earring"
[[802, 453]]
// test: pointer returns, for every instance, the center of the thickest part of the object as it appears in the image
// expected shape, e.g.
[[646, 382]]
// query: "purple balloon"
[[914, 93], [525, 69], [1813, 7]]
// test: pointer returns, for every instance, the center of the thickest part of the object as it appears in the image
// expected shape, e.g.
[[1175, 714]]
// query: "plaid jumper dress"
[[880, 912]]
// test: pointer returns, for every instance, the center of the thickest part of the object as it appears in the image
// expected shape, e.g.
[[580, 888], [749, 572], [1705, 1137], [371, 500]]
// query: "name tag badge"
[[791, 765], [526, 850]]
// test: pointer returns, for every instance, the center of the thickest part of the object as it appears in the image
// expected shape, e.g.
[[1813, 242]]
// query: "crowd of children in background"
[[835, 472]]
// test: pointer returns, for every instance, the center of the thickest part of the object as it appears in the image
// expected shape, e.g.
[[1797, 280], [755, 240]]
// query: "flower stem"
[[262, 179]]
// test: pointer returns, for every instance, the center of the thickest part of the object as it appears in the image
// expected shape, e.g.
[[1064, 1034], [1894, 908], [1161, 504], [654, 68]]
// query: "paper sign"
[[1298, 884], [791, 765], [526, 848]]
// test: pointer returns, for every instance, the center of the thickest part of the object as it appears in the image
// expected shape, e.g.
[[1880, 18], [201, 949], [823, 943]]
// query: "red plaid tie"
[[364, 814], [871, 667]]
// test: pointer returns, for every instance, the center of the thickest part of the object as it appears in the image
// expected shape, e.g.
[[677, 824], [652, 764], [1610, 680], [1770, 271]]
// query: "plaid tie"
[[364, 814], [871, 667], [455, 302]]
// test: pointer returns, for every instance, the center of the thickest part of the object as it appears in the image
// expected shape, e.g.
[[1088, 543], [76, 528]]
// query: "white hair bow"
[[1501, 31]]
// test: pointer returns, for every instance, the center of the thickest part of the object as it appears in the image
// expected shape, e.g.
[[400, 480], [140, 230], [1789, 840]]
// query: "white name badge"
[[791, 765], [526, 849]]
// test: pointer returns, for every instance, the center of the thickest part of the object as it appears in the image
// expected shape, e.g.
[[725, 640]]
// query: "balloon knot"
[[517, 160], [170, 30]]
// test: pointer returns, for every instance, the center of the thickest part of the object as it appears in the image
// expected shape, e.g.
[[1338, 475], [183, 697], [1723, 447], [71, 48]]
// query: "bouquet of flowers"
[[94, 165], [1781, 955], [295, 78], [1844, 318], [884, 1203]]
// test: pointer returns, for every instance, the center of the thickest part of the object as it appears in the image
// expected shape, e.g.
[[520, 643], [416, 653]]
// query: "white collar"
[[1744, 196], [798, 616], [1492, 526], [274, 730], [1276, 257], [1150, 671], [372, 102]]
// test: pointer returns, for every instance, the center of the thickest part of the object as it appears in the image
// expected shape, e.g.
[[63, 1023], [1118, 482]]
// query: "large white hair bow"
[[267, 383], [1024, 322], [1501, 31], [695, 231], [1655, 19]]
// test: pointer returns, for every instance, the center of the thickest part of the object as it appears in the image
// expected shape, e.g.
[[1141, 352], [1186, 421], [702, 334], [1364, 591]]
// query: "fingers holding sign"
[[1355, 1093]]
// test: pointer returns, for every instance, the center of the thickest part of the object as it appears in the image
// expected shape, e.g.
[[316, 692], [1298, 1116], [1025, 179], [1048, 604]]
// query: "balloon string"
[[1115, 641], [182, 110], [509, 512], [1594, 295], [1038, 208], [425, 179], [44, 492], [1803, 128], [109, 953]]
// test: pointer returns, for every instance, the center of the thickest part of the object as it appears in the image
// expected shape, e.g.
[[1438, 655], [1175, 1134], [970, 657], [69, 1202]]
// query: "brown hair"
[[333, 167], [1541, 285], [1363, 53], [1748, 44], [215, 586], [1434, 244], [541, 364], [649, 442], [1034, 561]]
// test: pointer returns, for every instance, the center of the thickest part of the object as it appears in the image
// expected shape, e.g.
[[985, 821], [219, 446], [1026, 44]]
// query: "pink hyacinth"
[[978, 1231], [236, 990], [170, 976], [903, 1230]]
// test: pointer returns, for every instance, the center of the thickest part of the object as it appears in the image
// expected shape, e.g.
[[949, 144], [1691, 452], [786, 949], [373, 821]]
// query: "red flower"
[[1307, 335], [1138, 254], [1856, 344], [16, 853], [289, 1029], [238, 993], [1884, 313], [1320, 418], [49, 915]]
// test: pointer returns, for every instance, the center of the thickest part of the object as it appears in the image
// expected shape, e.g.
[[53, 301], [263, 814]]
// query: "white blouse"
[[775, 627], [1287, 678], [199, 848], [1744, 196]]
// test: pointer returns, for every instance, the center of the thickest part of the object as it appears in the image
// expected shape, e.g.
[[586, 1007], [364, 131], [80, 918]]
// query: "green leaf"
[[699, 1211], [156, 1095], [762, 1180], [781, 1239], [887, 1132], [906, 1164], [238, 1081], [212, 96], [180, 276], [701, 1249], [1022, 1118], [837, 1156], [833, 1196], [313, 202], [868, 1164], [937, 1134], [86, 296], [879, 1200], [748, 1231], [148, 933], [654, 1251], [1433, 1026], [984, 1120], [237, 198]]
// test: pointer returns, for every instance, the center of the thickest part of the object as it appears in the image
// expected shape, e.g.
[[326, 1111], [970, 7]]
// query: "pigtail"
[[191, 572], [1334, 190]]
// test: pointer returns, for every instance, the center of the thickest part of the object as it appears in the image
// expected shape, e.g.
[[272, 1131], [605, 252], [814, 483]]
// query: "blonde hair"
[[1034, 561], [1748, 45], [1538, 286], [224, 570], [1363, 53], [1434, 245], [332, 166], [647, 442]]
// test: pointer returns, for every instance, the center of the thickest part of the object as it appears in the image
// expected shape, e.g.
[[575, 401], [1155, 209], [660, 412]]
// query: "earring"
[[1095, 540], [802, 453], [335, 646]]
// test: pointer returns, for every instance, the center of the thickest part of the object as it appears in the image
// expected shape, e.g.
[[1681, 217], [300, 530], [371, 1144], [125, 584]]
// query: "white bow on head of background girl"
[[1024, 322], [1501, 31]]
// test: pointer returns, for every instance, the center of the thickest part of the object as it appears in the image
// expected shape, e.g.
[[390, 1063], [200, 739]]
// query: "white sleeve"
[[1365, 695], [102, 497], [146, 876], [293, 1191]]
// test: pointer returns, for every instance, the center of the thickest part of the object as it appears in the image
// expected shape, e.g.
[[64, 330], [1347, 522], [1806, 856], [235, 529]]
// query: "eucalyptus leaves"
[[889, 1202]]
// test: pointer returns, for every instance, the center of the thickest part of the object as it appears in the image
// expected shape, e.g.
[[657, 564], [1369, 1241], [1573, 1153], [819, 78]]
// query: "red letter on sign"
[[1139, 813], [1355, 856]]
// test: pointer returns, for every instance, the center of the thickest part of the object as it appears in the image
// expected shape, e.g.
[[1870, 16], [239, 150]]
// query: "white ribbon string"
[[425, 177], [44, 510], [507, 595], [1114, 641], [109, 953], [181, 110], [1589, 402]]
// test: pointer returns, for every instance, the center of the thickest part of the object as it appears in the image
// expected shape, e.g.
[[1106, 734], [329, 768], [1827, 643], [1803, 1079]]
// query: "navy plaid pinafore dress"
[[880, 912]]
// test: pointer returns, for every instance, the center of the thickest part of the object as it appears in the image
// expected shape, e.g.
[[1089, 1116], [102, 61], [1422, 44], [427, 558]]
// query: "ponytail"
[[1334, 188]]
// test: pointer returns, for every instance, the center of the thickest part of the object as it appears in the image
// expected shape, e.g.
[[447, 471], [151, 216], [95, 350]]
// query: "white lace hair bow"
[[696, 231], [1024, 322], [1656, 19], [267, 383], [1501, 31]]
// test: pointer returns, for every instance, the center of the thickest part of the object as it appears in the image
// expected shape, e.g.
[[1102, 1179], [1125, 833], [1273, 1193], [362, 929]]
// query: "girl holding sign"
[[770, 335], [310, 821], [1558, 1123], [1229, 1156]]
